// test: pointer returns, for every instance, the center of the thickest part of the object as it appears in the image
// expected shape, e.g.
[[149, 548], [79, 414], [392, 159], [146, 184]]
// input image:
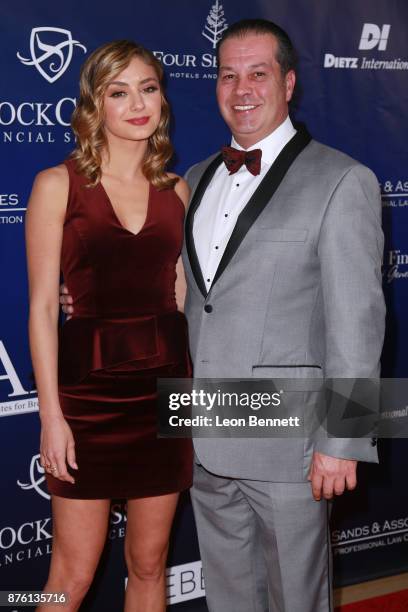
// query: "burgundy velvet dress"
[[125, 333]]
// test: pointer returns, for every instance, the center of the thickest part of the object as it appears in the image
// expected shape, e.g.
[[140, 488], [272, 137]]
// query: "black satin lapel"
[[195, 203], [262, 196]]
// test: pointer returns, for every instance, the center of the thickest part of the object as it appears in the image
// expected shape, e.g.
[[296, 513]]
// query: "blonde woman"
[[111, 219]]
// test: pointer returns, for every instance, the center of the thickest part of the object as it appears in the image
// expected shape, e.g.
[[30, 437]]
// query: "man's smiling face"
[[252, 92]]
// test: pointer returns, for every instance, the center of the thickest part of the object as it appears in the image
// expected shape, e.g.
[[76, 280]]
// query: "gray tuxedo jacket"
[[297, 294]]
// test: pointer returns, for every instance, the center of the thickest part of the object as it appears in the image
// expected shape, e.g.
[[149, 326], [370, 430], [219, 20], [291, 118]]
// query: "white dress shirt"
[[226, 196]]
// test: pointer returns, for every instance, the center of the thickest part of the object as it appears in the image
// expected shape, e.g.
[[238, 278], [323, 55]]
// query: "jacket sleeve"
[[350, 249]]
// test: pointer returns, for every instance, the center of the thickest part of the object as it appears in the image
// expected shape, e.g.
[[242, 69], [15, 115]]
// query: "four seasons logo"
[[190, 65], [215, 25]]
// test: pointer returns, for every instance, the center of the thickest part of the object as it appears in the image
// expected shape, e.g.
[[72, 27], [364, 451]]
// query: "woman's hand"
[[66, 301], [57, 448]]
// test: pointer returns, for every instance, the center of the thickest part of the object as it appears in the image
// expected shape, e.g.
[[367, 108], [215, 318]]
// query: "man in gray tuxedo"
[[282, 259]]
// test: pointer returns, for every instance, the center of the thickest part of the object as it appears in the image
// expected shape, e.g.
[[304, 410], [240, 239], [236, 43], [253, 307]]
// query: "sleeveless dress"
[[125, 333]]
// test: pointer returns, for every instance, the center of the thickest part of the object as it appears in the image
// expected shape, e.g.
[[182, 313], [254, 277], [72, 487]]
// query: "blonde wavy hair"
[[87, 120]]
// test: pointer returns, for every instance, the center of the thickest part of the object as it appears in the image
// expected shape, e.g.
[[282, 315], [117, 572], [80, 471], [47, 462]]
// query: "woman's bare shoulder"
[[50, 189], [53, 178], [181, 188]]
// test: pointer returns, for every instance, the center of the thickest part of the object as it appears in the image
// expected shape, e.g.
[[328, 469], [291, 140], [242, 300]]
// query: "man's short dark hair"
[[286, 54]]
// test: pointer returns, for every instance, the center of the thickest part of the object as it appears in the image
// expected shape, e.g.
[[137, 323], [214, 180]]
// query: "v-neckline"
[[118, 221]]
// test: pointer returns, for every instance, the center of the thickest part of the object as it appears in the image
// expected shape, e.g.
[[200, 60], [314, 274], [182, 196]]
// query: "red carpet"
[[394, 602]]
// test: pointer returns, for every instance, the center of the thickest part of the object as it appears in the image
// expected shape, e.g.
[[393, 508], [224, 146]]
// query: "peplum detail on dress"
[[90, 344]]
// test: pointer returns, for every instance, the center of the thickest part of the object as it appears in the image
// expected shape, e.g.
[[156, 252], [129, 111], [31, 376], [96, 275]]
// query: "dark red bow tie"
[[234, 158]]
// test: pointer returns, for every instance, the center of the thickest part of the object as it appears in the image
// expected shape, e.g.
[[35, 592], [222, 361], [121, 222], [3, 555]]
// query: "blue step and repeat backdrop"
[[352, 95]]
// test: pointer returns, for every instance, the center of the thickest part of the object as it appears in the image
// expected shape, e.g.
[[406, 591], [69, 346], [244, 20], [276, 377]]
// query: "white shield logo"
[[54, 57], [37, 478]]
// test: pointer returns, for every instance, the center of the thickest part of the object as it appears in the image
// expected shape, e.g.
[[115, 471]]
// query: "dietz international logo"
[[190, 65], [51, 51], [374, 37]]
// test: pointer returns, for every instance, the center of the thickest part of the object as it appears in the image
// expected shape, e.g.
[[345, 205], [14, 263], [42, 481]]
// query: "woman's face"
[[132, 102]]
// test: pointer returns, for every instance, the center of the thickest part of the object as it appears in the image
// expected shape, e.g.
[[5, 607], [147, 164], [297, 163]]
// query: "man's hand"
[[66, 301], [330, 476]]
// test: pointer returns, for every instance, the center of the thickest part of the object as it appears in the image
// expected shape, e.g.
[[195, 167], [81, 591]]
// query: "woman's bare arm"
[[44, 226]]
